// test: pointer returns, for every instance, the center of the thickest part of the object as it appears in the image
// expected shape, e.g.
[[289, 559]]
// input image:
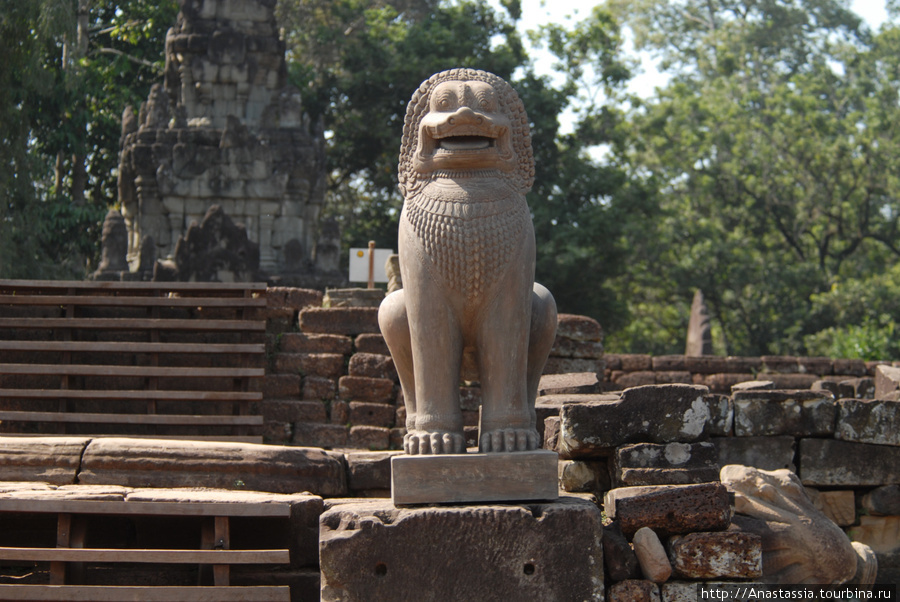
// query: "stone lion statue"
[[467, 251]]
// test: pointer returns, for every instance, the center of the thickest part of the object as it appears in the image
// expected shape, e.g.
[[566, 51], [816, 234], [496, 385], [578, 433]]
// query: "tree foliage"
[[775, 149], [61, 109]]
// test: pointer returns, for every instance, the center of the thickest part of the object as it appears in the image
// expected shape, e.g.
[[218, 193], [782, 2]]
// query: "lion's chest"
[[468, 245]]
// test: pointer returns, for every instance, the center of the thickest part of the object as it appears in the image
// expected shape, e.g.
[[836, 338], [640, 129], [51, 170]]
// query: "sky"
[[537, 12]]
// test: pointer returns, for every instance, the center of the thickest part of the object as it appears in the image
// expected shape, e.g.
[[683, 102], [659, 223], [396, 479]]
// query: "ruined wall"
[[225, 129]]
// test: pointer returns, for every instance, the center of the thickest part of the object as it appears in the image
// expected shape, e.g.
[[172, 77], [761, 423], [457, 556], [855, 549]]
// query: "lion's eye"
[[445, 100], [486, 101]]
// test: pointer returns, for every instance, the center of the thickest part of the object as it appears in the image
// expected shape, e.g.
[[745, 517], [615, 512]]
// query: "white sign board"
[[359, 264]]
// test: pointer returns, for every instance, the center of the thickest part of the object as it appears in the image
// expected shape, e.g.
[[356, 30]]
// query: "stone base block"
[[372, 550], [500, 477]]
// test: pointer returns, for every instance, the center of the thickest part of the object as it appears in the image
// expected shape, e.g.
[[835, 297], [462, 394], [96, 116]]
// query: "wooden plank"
[[231, 438], [122, 301], [120, 593], [163, 419], [25, 505], [135, 324], [158, 556], [134, 347], [133, 286], [126, 395], [142, 371], [222, 539]]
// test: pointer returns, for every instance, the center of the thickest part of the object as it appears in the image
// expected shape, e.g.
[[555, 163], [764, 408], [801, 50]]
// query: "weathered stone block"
[[339, 412], [838, 505], [172, 463], [578, 328], [849, 367], [566, 365], [362, 388], [857, 388], [798, 413], [887, 382], [618, 556], [371, 414], [566, 347], [723, 554], [781, 364], [481, 477], [674, 377], [372, 365], [723, 382], [869, 421], [706, 364], [54, 460], [883, 500], [312, 434], [766, 453], [654, 414], [635, 362], [329, 365], [375, 551], [833, 463], [628, 380], [370, 437], [670, 464], [281, 386], [294, 411], [370, 470], [634, 590], [318, 388], [301, 342], [670, 509], [743, 364], [565, 384], [339, 320], [371, 343], [470, 399], [790, 381], [881, 533], [668, 363], [577, 476]]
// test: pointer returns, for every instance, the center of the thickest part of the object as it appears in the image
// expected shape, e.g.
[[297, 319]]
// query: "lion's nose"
[[465, 116]]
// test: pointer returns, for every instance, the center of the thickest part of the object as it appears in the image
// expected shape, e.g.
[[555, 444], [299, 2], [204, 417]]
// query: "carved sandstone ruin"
[[467, 249], [226, 129]]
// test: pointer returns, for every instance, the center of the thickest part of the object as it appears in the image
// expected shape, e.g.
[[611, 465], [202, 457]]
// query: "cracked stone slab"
[[376, 551], [55, 460], [650, 413]]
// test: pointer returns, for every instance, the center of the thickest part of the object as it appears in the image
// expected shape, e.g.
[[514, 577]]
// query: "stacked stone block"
[[843, 377], [649, 440]]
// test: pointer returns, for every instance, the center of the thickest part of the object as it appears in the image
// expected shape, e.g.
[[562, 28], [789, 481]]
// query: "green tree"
[[71, 68], [774, 147]]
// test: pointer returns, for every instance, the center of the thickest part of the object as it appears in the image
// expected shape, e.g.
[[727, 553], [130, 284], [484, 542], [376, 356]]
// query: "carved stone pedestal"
[[372, 550], [458, 478]]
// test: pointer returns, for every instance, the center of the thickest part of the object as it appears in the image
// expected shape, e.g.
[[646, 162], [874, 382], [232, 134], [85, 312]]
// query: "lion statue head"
[[462, 121]]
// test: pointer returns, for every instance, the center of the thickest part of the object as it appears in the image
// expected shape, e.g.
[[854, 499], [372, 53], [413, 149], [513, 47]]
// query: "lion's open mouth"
[[464, 143]]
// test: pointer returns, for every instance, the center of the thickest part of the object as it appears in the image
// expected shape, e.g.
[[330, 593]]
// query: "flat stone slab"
[[869, 421], [765, 453], [670, 464], [222, 465], [650, 414], [670, 509], [52, 459], [834, 463], [800, 413], [728, 554], [376, 551], [456, 478]]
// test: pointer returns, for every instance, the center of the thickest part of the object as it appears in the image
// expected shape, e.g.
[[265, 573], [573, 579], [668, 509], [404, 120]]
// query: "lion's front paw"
[[434, 442], [508, 440]]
